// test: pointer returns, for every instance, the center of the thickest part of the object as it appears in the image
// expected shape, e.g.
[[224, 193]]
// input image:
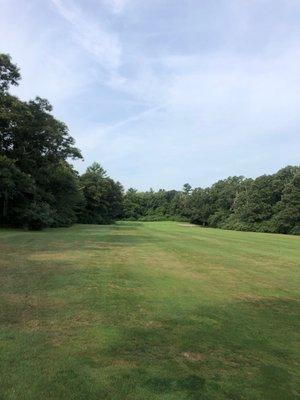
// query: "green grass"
[[143, 311]]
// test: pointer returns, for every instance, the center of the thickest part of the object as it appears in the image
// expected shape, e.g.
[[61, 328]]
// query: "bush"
[[218, 219], [295, 230], [38, 216]]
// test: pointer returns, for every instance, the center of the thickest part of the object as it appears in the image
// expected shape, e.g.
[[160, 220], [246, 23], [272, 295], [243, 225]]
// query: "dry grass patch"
[[193, 356], [67, 255], [156, 312]]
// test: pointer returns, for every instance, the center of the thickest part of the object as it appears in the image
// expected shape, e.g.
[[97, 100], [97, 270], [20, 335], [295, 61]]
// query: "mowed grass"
[[158, 310]]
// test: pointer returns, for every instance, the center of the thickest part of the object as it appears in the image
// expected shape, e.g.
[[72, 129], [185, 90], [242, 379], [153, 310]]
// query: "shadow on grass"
[[245, 349], [121, 235], [241, 350]]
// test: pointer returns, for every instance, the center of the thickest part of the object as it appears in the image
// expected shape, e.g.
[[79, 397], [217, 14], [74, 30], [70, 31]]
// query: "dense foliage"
[[40, 188], [102, 197], [269, 203]]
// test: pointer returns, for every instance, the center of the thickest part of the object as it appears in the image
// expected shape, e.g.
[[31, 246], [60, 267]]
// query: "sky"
[[164, 92]]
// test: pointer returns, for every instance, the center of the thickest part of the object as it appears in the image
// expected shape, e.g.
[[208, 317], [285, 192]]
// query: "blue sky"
[[165, 92]]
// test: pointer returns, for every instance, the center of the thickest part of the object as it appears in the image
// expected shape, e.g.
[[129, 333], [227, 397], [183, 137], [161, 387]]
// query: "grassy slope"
[[148, 311]]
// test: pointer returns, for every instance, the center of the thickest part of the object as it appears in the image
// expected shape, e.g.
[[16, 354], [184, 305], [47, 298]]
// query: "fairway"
[[152, 310]]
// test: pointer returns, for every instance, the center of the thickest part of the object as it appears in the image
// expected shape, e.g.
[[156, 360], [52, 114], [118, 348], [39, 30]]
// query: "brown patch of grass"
[[16, 298], [249, 298], [188, 225], [166, 262], [56, 256], [152, 324], [32, 325], [193, 356]]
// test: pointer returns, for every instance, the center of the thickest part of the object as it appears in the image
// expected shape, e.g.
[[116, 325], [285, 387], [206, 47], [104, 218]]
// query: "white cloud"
[[103, 45], [256, 95], [49, 67], [159, 111]]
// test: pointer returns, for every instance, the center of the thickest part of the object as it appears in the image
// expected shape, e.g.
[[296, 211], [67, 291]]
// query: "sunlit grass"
[[148, 311]]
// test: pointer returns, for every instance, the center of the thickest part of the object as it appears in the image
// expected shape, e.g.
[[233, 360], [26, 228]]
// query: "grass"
[[142, 311]]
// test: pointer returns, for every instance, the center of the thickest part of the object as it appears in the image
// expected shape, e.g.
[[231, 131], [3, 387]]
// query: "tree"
[[9, 72], [201, 206], [16, 192], [134, 204], [287, 219], [254, 203], [39, 185], [58, 186], [102, 196], [187, 188]]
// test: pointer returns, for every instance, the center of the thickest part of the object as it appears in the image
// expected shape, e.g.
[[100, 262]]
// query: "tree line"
[[269, 203], [40, 188]]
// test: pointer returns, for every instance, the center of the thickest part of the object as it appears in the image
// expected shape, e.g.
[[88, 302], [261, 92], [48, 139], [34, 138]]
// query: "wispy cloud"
[[117, 6], [133, 118], [164, 92], [102, 44]]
